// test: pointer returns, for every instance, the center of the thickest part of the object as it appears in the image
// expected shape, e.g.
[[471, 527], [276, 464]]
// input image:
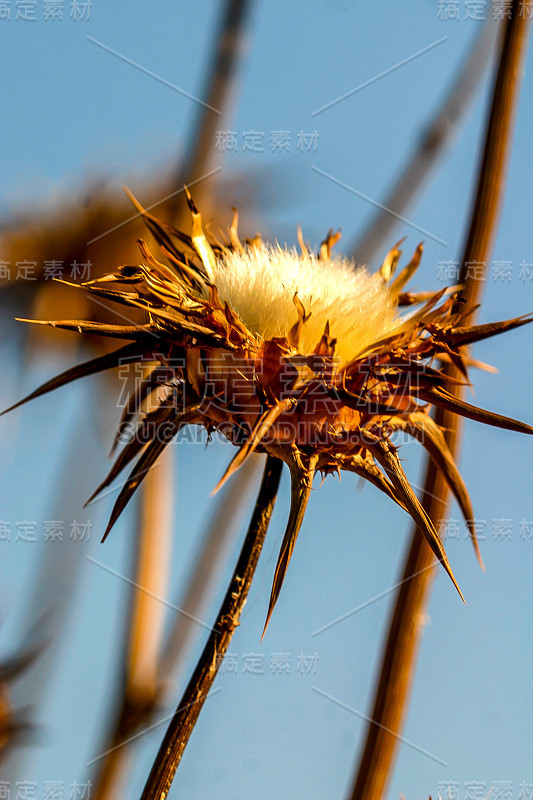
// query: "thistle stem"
[[188, 710], [399, 655], [220, 531], [140, 699]]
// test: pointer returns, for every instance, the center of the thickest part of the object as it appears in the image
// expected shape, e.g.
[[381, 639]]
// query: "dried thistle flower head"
[[305, 357]]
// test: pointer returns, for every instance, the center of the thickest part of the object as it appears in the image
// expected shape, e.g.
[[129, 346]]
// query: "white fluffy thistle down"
[[260, 282]]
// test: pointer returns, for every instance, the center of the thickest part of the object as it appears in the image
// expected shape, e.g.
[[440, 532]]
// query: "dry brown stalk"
[[217, 94], [221, 528], [434, 140], [144, 630], [184, 719], [399, 655], [141, 693]]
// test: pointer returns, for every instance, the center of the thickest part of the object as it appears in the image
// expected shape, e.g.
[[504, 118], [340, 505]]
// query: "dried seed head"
[[305, 357]]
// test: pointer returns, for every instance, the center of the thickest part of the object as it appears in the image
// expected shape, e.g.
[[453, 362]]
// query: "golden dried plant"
[[305, 357]]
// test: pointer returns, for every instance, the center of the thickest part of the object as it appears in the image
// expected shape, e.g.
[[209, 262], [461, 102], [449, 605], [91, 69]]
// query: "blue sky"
[[73, 109]]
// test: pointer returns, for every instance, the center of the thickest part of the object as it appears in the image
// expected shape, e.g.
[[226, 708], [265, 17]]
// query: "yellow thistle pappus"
[[304, 357]]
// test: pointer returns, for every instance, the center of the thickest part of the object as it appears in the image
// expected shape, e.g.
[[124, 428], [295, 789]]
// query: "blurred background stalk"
[[434, 140], [398, 662]]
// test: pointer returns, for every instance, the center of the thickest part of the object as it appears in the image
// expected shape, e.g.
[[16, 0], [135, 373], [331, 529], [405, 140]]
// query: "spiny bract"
[[304, 357]]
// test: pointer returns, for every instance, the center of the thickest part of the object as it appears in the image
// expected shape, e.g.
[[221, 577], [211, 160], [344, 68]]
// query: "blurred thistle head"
[[306, 357]]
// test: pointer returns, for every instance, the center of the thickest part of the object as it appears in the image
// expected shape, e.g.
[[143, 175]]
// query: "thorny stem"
[[399, 656], [140, 699], [221, 528], [185, 716]]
